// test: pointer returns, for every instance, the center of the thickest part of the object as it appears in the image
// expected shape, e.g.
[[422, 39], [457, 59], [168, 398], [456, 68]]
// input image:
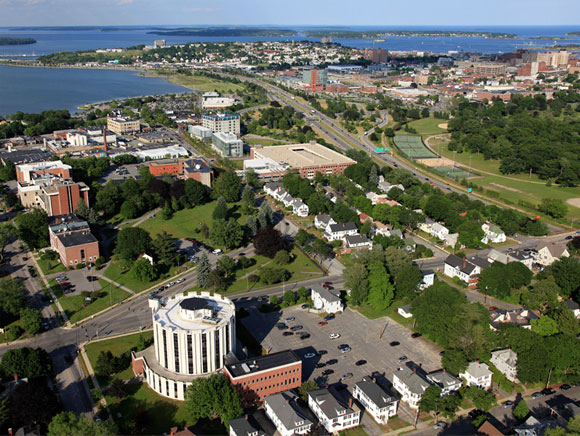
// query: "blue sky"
[[287, 12]]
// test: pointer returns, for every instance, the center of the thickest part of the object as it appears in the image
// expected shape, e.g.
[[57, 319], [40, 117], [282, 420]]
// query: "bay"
[[38, 89]]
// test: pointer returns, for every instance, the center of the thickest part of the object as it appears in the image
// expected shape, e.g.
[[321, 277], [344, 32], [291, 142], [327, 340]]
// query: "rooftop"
[[288, 412], [77, 238], [329, 404], [414, 382], [302, 155], [376, 393], [262, 363]]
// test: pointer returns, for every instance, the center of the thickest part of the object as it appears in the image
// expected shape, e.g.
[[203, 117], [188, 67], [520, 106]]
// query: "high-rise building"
[[227, 144], [192, 335], [376, 55], [315, 79], [220, 122]]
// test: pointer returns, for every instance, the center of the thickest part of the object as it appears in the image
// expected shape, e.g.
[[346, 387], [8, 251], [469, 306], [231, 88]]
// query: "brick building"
[[196, 169], [72, 239], [28, 172], [266, 375]]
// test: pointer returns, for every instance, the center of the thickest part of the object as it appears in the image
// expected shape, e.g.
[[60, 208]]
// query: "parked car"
[[537, 395], [345, 350], [322, 352], [304, 336], [327, 283], [291, 318], [297, 327], [217, 251], [548, 391], [332, 362], [305, 306], [402, 359], [416, 335], [320, 365], [440, 424], [334, 335], [360, 362], [341, 346], [507, 404], [329, 317], [394, 343], [565, 387], [287, 333], [322, 323], [281, 326], [327, 372], [346, 376], [309, 356]]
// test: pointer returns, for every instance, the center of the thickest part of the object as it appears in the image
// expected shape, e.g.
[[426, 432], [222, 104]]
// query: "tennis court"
[[413, 147], [453, 172]]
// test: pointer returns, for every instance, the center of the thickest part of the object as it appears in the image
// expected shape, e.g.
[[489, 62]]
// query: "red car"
[[322, 323], [432, 184], [327, 283]]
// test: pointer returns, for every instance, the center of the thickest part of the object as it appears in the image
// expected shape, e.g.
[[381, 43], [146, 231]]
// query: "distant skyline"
[[297, 12]]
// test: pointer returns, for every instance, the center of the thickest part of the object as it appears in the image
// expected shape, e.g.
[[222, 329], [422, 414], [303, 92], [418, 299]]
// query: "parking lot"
[[362, 335], [80, 280]]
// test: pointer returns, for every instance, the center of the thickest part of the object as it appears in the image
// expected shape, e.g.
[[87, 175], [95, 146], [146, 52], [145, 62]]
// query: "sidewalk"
[[49, 288]]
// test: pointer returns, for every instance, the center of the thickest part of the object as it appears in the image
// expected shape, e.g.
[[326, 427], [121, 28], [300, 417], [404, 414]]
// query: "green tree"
[[268, 242], [381, 290], [106, 364], [289, 298], [69, 424], [164, 248], [220, 211], [481, 399], [355, 276], [131, 242], [228, 233], [203, 270], [454, 361], [226, 265], [251, 225], [270, 276], [227, 185], [12, 296], [470, 234], [521, 411], [7, 232], [212, 397], [566, 272], [143, 270], [31, 320], [82, 210], [248, 199], [33, 228], [26, 362], [118, 388], [544, 326], [431, 400], [554, 207], [542, 296], [567, 322], [305, 387], [282, 258], [195, 192]]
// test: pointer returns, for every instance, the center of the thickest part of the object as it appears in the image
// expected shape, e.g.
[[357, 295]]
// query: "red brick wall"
[[74, 253], [257, 386], [138, 366], [159, 170]]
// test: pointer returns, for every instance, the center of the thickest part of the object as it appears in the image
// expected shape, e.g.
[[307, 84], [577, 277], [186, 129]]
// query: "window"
[[190, 353], [204, 351], [175, 390], [227, 338], [217, 349], [176, 351], [164, 347]]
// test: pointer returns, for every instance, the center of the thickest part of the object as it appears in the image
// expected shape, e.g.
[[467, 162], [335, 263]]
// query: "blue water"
[[38, 89], [64, 39]]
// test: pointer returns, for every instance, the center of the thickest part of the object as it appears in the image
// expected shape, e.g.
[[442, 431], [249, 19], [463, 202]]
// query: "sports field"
[[413, 147]]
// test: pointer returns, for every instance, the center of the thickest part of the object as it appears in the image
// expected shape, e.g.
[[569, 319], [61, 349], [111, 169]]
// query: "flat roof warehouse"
[[302, 155]]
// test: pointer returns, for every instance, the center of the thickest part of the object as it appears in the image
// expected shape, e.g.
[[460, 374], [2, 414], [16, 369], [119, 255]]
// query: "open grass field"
[[425, 127], [265, 142], [125, 278], [77, 309], [413, 147], [201, 83], [513, 187], [50, 266]]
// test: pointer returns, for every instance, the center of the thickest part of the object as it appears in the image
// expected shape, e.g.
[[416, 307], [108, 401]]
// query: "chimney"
[[287, 400], [246, 416], [350, 402], [105, 140], [414, 370], [374, 380], [15, 377], [326, 386], [10, 431], [173, 431]]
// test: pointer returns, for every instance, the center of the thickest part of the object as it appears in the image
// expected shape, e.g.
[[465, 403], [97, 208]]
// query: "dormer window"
[[341, 412], [254, 433]]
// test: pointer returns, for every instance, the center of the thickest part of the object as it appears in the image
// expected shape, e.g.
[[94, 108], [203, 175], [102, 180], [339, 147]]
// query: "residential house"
[[462, 268], [337, 232], [492, 234], [517, 317], [286, 414], [426, 226], [357, 242], [326, 301], [331, 412], [299, 208], [574, 307], [287, 199], [410, 385], [405, 311], [322, 221], [534, 427], [246, 426], [377, 401], [377, 198], [439, 231], [410, 245], [506, 362], [445, 380], [451, 239], [386, 186], [511, 256], [379, 228], [549, 252], [428, 279], [497, 256], [477, 374], [395, 232], [273, 188]]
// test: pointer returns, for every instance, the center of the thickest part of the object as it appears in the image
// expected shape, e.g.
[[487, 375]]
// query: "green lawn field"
[[425, 127], [201, 83]]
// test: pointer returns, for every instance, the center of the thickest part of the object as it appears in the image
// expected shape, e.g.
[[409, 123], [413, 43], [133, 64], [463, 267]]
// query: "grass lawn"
[[356, 431], [50, 266], [262, 141], [391, 311], [185, 223], [76, 310], [396, 423], [201, 83], [514, 187], [125, 278], [425, 127]]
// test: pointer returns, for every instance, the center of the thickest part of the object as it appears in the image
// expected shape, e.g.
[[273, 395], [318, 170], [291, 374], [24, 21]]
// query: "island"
[[16, 41], [225, 32], [575, 33], [354, 34]]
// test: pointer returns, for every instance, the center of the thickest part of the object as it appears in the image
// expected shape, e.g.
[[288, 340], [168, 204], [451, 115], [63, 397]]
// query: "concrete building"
[[200, 132], [192, 336], [196, 169], [332, 413], [506, 362], [554, 58], [489, 69], [286, 414], [54, 195], [220, 122], [377, 402], [258, 377], [410, 385], [315, 80], [72, 239], [325, 300], [227, 144], [172, 152], [376, 55], [123, 126], [477, 374], [307, 159], [30, 171], [212, 100]]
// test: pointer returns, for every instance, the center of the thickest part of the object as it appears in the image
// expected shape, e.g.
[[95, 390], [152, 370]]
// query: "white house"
[[462, 268], [548, 253], [506, 362], [439, 231], [246, 426], [451, 239], [445, 380], [332, 413], [574, 307], [273, 189], [395, 232], [287, 199], [410, 385], [492, 233], [336, 232], [376, 401], [287, 416], [405, 311], [321, 221], [477, 374], [428, 279], [357, 242], [379, 228], [299, 208], [326, 301]]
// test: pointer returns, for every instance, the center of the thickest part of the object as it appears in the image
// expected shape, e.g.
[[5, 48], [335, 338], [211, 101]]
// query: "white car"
[[334, 335], [217, 251], [309, 355]]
